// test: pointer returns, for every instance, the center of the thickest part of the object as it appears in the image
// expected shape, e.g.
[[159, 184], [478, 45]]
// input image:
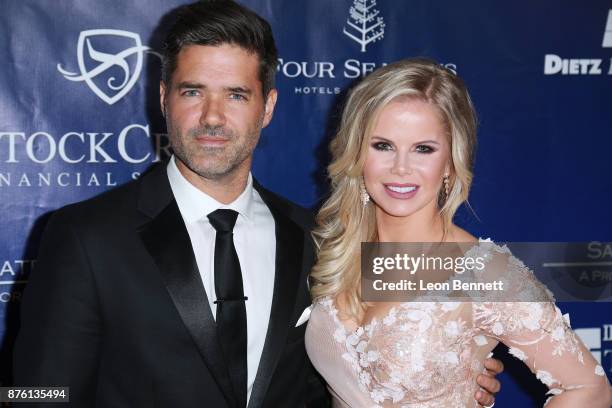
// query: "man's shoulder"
[[302, 216], [112, 206]]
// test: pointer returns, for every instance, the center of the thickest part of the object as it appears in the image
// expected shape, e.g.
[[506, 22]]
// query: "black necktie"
[[231, 310]]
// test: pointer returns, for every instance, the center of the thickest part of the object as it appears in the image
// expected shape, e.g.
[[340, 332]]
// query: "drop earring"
[[365, 197], [446, 186]]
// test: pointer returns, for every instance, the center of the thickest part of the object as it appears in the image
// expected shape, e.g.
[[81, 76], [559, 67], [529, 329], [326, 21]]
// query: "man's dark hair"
[[218, 22]]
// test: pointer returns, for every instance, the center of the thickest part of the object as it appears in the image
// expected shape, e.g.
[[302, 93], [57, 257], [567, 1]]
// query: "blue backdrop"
[[79, 114]]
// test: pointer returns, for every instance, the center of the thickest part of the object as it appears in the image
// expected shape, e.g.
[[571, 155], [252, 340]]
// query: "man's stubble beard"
[[214, 163]]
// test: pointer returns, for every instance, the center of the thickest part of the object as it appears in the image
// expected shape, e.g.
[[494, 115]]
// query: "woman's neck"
[[414, 228]]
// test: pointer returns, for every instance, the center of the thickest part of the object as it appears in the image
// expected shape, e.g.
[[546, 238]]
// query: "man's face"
[[215, 110]]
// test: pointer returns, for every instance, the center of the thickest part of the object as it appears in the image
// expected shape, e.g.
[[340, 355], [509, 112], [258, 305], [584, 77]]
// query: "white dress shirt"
[[255, 242]]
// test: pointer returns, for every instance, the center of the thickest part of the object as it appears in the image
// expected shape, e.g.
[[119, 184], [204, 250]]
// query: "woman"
[[402, 165]]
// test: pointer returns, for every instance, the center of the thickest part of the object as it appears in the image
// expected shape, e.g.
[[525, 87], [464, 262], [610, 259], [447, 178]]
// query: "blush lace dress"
[[428, 354]]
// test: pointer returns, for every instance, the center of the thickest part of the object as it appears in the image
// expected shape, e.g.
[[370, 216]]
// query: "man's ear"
[[162, 97], [269, 106]]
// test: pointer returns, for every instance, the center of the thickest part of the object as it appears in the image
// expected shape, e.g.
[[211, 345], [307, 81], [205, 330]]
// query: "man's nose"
[[213, 112]]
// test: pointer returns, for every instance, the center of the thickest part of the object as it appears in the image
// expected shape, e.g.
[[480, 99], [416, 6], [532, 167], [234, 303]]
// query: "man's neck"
[[225, 189]]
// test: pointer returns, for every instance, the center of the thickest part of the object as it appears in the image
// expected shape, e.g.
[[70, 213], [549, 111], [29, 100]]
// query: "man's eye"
[[191, 92], [238, 97], [382, 146], [424, 149]]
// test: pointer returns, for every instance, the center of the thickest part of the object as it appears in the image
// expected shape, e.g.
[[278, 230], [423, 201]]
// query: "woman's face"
[[408, 156]]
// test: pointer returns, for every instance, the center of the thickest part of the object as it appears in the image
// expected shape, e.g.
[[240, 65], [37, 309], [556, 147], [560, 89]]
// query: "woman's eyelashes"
[[382, 146], [426, 149], [421, 148]]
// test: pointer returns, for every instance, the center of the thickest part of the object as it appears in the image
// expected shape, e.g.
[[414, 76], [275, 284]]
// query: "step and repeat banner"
[[79, 115]]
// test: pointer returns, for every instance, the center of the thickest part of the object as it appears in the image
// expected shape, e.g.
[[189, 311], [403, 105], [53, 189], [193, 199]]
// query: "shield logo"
[[93, 62]]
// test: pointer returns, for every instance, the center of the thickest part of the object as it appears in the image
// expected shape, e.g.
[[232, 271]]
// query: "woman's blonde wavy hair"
[[343, 221]]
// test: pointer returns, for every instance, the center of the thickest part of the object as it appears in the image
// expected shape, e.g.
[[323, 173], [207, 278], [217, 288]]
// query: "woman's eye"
[[424, 149], [382, 146]]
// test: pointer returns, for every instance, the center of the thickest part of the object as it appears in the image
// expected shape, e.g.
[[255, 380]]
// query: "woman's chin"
[[397, 211]]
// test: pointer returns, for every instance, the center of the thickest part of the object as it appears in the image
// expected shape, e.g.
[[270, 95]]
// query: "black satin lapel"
[[289, 252], [167, 241]]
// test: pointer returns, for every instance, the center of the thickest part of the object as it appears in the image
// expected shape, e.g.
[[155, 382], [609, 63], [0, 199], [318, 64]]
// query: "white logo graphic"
[[555, 64], [364, 26], [607, 40], [107, 61], [591, 338]]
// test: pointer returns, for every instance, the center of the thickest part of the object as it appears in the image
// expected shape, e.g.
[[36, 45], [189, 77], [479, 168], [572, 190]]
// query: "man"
[[185, 288]]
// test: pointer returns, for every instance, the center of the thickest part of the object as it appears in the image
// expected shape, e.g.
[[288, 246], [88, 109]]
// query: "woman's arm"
[[539, 335]]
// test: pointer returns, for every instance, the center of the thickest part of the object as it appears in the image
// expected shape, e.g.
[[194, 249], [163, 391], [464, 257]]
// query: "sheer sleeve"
[[538, 334]]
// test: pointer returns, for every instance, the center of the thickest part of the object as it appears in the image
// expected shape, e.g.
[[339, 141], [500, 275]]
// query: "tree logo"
[[96, 63], [364, 26]]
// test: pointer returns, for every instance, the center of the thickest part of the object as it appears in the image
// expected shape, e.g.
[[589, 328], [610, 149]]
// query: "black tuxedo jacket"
[[116, 309]]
